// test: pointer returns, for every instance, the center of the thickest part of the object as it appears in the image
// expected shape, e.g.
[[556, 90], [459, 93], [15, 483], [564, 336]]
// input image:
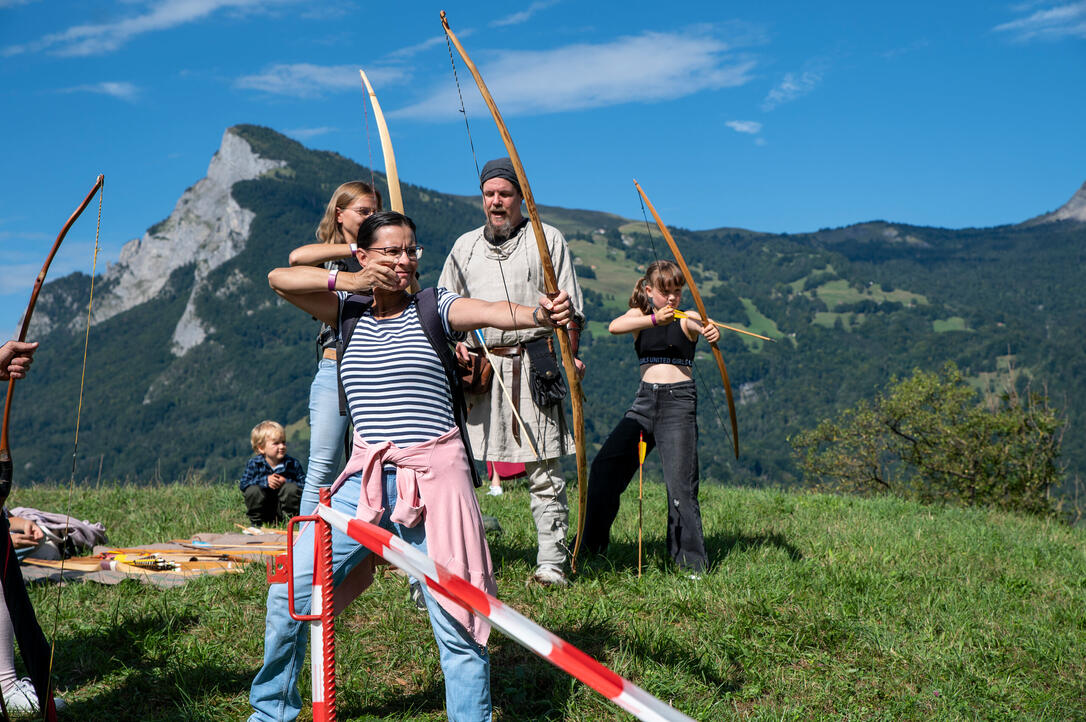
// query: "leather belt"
[[513, 352]]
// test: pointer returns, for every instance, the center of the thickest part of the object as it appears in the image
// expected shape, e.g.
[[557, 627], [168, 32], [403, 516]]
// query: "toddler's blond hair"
[[265, 430]]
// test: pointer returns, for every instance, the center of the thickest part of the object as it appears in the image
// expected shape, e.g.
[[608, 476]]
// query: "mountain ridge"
[[851, 308]]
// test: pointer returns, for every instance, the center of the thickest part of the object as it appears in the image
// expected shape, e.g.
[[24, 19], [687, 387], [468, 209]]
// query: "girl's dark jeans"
[[667, 414]]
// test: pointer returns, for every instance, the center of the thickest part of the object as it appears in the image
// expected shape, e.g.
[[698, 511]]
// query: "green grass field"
[[838, 292], [953, 323], [816, 607]]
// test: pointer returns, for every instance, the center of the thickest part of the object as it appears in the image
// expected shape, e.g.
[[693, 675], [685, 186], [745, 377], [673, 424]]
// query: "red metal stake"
[[322, 624], [322, 632]]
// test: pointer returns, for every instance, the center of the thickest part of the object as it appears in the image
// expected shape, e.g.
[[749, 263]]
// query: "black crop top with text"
[[665, 345]]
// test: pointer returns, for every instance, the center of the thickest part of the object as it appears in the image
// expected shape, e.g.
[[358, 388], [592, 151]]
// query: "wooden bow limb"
[[576, 395], [6, 465], [392, 176], [701, 309], [508, 396], [395, 199], [681, 314]]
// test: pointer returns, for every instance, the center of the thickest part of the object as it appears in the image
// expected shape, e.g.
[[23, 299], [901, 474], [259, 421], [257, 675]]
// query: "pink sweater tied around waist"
[[433, 485]]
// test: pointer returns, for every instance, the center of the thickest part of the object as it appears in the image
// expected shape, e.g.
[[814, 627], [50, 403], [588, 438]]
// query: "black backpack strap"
[[353, 307], [434, 329]]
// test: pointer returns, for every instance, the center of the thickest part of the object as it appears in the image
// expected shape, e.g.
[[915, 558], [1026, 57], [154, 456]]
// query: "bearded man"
[[498, 262]]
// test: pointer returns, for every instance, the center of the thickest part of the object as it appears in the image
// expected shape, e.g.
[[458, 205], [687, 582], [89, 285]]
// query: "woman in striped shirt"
[[409, 471]]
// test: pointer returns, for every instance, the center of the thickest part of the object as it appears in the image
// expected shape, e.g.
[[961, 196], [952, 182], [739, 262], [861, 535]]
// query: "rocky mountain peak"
[[207, 226], [1072, 210]]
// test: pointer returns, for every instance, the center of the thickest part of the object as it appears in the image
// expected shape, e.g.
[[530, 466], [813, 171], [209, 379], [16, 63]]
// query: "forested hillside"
[[849, 308]]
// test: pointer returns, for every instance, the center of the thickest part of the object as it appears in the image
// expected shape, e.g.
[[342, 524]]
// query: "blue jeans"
[[274, 693], [667, 414], [326, 433]]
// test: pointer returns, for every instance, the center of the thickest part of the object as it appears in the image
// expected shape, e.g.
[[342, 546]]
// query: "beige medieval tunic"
[[512, 271]]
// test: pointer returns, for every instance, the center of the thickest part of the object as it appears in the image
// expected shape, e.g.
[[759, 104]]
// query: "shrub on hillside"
[[931, 438]]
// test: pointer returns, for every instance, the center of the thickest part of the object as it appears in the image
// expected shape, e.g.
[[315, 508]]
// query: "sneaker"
[[547, 576], [417, 596], [495, 491], [21, 698]]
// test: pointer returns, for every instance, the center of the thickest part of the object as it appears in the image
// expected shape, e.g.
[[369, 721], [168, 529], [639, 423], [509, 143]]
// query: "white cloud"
[[16, 277], [523, 15], [304, 80], [121, 90], [419, 47], [305, 133], [28, 253], [912, 47], [792, 86], [101, 38], [645, 68], [752, 127], [1049, 23]]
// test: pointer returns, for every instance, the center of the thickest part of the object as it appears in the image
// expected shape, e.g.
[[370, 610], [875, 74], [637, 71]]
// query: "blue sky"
[[784, 116]]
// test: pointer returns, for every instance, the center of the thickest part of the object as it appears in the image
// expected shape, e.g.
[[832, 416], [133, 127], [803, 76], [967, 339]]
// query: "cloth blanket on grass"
[[163, 564]]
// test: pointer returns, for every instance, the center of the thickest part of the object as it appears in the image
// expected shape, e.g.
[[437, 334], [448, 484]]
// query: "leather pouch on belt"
[[475, 377], [547, 385]]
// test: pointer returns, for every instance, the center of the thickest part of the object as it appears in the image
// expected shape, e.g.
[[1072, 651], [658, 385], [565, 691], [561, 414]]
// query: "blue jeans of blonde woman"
[[327, 430], [274, 693]]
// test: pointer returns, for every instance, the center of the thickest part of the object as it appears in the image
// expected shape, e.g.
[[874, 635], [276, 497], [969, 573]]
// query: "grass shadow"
[[718, 546], [137, 674], [622, 555]]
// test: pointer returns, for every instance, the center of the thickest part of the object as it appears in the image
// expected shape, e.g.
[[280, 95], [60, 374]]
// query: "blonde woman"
[[350, 205]]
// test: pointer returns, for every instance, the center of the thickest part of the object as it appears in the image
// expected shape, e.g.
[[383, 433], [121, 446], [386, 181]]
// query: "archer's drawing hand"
[[664, 315], [373, 275], [15, 359]]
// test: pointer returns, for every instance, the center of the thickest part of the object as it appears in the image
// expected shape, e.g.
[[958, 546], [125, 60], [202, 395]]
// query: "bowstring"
[[75, 443], [693, 365], [475, 159], [463, 109]]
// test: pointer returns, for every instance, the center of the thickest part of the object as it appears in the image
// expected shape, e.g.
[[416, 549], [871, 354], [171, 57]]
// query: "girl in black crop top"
[[664, 413]]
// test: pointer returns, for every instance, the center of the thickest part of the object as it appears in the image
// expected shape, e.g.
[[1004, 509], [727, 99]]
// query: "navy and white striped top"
[[395, 384]]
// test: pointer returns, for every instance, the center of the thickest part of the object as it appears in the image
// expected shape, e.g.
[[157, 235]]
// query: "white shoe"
[[21, 698], [495, 491], [547, 576]]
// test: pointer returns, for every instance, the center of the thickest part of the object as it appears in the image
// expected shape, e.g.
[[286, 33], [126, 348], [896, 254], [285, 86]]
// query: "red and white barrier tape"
[[554, 649]]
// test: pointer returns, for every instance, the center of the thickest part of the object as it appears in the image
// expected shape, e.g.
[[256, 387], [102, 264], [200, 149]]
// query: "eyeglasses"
[[364, 211], [412, 252]]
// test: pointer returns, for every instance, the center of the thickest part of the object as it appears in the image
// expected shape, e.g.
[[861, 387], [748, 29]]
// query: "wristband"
[[353, 247], [652, 317], [535, 319], [332, 279]]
